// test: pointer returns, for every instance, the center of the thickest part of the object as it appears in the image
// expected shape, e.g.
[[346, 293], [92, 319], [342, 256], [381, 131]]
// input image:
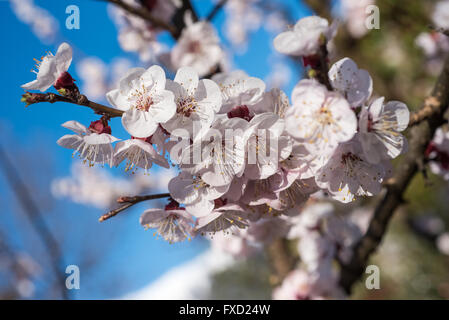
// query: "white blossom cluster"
[[248, 159], [245, 155]]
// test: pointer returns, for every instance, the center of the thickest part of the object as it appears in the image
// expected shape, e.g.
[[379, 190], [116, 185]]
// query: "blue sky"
[[130, 257]]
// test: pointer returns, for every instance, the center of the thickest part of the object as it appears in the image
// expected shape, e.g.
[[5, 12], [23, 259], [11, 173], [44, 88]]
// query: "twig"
[[146, 15], [129, 202], [430, 105], [31, 98], [321, 7], [420, 136], [215, 10], [36, 219], [323, 68]]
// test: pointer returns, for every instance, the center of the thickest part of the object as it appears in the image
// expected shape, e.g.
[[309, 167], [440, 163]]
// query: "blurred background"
[[50, 202]]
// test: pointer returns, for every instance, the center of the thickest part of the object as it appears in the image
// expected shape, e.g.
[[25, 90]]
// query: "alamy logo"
[[73, 279], [373, 17], [73, 20], [373, 280]]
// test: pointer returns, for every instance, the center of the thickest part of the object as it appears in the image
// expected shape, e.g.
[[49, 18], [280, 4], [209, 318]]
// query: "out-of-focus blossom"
[[138, 35], [198, 47], [97, 78], [94, 186], [279, 76], [92, 71], [443, 243], [42, 23], [435, 46], [304, 39], [440, 15], [355, 15], [242, 17], [438, 153]]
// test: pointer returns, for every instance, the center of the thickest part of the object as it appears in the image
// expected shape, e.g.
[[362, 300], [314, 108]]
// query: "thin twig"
[[420, 136], [31, 98], [129, 202], [146, 15], [36, 219], [430, 105], [323, 70], [215, 10]]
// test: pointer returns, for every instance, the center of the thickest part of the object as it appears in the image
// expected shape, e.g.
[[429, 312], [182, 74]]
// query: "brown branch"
[[420, 136], [321, 7], [323, 67], [146, 15], [431, 104], [36, 219], [215, 10], [31, 98], [129, 202]]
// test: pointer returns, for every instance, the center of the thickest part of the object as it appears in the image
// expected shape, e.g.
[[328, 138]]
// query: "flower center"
[[186, 106], [143, 99], [194, 47]]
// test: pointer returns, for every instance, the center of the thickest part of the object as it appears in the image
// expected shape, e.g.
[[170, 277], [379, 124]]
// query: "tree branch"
[[430, 106], [129, 202], [146, 15], [31, 98], [420, 136], [215, 10], [36, 219]]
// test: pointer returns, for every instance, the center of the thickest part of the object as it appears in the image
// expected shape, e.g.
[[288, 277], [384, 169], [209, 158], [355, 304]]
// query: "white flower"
[[275, 101], [142, 95], [266, 145], [304, 38], [319, 118], [222, 150], [173, 225], [238, 90], [440, 15], [353, 83], [196, 100], [355, 15], [227, 216], [198, 47], [143, 42], [197, 196], [310, 219], [348, 174], [50, 68], [138, 153], [91, 146], [380, 126]]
